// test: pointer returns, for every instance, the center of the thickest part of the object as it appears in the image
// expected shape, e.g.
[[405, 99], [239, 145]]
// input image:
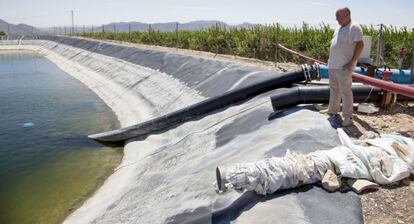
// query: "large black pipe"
[[117, 137], [289, 97]]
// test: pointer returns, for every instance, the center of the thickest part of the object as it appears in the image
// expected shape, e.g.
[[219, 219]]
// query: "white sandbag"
[[347, 163], [383, 163], [269, 175], [399, 146]]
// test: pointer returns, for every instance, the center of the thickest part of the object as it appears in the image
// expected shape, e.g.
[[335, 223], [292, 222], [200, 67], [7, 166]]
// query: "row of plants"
[[260, 41]]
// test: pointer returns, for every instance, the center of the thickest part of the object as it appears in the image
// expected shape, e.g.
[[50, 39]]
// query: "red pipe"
[[393, 87], [300, 55], [397, 88]]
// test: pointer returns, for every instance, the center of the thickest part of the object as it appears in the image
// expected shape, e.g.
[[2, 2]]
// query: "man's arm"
[[359, 46]]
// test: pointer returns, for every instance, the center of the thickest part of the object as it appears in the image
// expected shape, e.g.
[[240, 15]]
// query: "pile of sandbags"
[[383, 160]]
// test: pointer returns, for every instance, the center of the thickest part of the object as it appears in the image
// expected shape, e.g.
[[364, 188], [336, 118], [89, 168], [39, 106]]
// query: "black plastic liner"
[[289, 97], [208, 77], [162, 123]]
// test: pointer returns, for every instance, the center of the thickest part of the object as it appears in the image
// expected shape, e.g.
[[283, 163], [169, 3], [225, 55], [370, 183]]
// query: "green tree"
[[260, 41], [2, 33]]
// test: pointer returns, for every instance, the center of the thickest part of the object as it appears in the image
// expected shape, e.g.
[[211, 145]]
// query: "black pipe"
[[162, 123], [289, 97]]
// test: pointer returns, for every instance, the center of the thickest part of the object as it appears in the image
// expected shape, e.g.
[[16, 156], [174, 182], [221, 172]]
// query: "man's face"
[[342, 17]]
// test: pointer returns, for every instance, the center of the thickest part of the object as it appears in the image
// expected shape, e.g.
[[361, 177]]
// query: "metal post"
[[129, 31], [176, 35], [277, 44], [412, 70], [379, 59], [73, 23]]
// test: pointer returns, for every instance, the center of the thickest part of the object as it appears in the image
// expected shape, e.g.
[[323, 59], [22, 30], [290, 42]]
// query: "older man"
[[346, 46]]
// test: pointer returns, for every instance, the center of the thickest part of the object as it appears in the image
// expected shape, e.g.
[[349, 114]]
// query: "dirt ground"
[[389, 204]]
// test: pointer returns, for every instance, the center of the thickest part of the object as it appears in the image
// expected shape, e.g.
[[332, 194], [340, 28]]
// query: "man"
[[346, 47]]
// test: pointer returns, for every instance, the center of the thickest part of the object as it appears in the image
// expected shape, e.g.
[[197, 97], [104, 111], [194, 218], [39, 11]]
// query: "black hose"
[[162, 123], [289, 97]]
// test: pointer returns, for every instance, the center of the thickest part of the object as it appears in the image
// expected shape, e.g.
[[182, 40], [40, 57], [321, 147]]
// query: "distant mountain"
[[170, 26], [19, 29]]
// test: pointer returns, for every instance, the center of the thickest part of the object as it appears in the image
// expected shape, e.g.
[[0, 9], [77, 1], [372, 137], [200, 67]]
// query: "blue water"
[[47, 164]]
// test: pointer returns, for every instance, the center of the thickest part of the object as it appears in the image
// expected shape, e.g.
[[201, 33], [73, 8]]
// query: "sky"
[[48, 13]]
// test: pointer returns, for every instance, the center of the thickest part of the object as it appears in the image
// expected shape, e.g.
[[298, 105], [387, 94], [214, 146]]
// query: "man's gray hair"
[[345, 9]]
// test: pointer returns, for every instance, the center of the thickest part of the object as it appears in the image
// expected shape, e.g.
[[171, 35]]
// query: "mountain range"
[[19, 29], [138, 26], [170, 26]]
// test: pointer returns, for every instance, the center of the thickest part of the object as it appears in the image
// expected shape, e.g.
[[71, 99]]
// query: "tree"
[[2, 33]]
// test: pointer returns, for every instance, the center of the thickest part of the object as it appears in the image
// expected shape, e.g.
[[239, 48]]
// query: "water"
[[47, 164]]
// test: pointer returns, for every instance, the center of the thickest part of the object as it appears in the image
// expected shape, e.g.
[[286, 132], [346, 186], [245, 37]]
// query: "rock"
[[406, 182], [331, 182], [370, 135], [361, 185]]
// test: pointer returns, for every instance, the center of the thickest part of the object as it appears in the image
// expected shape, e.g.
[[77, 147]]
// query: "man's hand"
[[359, 46], [349, 66]]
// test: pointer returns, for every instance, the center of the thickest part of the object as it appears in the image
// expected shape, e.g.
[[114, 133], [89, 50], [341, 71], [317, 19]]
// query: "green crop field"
[[260, 41]]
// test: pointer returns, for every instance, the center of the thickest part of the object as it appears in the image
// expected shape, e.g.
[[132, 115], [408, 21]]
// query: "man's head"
[[343, 16]]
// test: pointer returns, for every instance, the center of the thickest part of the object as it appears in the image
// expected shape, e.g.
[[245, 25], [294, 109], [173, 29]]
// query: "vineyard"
[[260, 41]]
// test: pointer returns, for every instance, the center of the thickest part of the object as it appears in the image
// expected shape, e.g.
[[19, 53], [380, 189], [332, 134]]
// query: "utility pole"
[[73, 23], [114, 28]]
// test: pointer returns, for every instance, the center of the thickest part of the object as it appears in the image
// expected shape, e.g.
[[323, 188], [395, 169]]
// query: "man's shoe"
[[328, 112], [347, 122]]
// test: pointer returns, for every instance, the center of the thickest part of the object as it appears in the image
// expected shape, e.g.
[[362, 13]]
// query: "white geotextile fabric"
[[387, 159]]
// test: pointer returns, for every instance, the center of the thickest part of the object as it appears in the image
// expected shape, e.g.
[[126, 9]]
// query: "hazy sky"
[[43, 13]]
